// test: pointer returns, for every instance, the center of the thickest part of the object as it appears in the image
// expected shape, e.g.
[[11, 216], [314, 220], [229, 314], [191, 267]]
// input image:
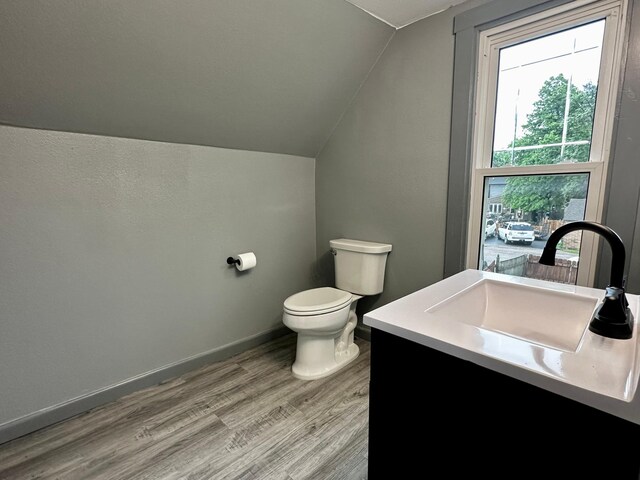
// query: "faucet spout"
[[612, 317]]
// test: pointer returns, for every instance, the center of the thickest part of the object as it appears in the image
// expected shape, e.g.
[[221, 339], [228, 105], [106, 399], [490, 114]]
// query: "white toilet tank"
[[359, 265]]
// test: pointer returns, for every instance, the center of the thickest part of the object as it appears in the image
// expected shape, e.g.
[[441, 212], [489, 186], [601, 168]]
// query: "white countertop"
[[600, 372]]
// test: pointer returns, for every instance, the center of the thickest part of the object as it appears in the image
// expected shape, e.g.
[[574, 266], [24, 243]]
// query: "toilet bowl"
[[324, 319]]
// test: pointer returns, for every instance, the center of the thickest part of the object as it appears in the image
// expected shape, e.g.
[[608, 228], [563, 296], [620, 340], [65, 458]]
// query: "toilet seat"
[[317, 301]]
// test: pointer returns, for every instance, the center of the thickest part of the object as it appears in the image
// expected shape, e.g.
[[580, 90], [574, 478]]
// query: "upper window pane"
[[546, 98]]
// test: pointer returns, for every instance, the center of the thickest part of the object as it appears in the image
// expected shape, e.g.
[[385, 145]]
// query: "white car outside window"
[[521, 232], [490, 229]]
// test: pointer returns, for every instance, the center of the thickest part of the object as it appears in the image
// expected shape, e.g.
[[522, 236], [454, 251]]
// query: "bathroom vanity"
[[499, 377]]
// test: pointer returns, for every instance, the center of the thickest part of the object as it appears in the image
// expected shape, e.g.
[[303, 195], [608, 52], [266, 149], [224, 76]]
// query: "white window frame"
[[490, 42]]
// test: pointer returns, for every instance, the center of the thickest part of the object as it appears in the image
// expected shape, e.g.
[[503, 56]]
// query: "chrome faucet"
[[612, 317]]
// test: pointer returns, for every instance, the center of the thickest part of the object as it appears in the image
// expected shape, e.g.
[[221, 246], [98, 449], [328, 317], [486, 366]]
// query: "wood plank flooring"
[[244, 418]]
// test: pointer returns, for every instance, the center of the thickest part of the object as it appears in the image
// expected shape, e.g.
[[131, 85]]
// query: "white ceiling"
[[400, 13]]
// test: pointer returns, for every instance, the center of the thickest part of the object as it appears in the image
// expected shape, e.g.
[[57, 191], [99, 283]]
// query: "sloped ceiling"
[[265, 75], [400, 13]]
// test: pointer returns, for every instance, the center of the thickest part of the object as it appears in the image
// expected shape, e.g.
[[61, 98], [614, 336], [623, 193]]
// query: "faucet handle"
[[613, 293], [616, 294]]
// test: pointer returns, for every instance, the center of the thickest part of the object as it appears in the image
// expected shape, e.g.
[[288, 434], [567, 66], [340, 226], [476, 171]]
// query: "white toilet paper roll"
[[246, 261]]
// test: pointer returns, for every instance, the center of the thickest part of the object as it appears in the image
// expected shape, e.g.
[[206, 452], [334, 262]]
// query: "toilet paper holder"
[[233, 261], [243, 261]]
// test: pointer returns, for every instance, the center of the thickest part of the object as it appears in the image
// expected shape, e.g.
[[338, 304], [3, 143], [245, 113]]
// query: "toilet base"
[[334, 361], [319, 355]]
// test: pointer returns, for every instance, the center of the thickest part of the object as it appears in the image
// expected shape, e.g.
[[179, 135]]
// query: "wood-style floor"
[[243, 418]]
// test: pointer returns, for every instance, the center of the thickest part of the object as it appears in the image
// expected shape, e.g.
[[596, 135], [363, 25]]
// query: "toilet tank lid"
[[359, 246]]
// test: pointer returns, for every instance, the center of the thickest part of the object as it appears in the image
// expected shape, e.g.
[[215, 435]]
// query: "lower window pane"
[[520, 212]]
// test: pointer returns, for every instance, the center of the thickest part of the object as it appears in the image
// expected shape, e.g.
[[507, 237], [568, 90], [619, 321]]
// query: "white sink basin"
[[547, 317], [530, 329]]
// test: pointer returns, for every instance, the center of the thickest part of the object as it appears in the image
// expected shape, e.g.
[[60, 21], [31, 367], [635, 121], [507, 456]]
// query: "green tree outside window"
[[545, 193]]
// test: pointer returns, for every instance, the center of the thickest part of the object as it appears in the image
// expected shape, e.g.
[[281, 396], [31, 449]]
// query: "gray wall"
[[113, 256], [623, 197], [383, 174], [264, 75]]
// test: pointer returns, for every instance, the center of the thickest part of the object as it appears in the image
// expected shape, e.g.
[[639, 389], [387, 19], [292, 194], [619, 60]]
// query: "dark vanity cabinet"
[[433, 415]]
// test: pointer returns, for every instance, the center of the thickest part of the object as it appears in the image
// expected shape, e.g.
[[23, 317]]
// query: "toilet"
[[325, 318]]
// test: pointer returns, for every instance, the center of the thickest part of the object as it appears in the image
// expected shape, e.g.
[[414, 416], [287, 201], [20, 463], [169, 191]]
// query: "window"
[[543, 120], [495, 208]]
